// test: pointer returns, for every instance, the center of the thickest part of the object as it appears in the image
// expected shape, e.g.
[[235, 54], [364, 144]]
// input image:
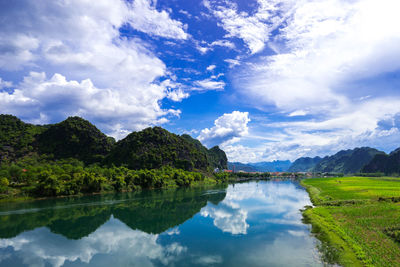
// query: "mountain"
[[215, 156], [347, 161], [78, 138], [273, 166], [156, 147], [388, 164], [237, 166], [16, 137], [304, 164], [75, 138]]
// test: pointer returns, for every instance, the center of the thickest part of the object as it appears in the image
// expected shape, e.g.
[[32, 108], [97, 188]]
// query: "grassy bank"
[[357, 219]]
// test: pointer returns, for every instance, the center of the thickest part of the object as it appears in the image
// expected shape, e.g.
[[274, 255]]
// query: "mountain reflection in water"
[[254, 224]]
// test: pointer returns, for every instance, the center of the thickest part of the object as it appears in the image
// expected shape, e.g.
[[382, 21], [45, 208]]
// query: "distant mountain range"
[[363, 159], [304, 164], [273, 166]]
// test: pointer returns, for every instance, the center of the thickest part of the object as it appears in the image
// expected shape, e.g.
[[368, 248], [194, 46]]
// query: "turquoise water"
[[246, 224]]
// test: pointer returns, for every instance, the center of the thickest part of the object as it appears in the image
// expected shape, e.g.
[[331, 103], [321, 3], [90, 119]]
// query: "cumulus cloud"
[[241, 153], [94, 71], [332, 63], [58, 98], [227, 218], [145, 18], [228, 127]]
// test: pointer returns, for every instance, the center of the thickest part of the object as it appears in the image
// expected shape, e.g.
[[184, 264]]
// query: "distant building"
[[230, 171]]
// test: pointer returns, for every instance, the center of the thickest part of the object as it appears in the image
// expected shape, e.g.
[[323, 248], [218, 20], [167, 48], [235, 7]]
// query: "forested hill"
[[387, 164], [16, 137], [347, 161], [156, 147], [75, 138], [304, 164], [79, 139]]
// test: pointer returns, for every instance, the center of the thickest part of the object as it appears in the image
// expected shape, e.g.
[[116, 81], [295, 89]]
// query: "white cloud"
[[209, 260], [57, 98], [124, 245], [333, 63], [5, 84], [203, 47], [177, 95], [107, 78], [209, 84], [240, 153], [211, 67], [232, 62], [299, 112], [145, 18], [186, 13], [227, 218], [255, 29], [228, 127], [223, 43], [327, 44]]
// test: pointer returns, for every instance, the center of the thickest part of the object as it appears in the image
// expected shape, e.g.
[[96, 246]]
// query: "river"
[[244, 224]]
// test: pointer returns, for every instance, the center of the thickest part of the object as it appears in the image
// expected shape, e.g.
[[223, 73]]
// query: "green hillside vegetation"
[[357, 219], [347, 161], [215, 156], [155, 147], [305, 164], [75, 138], [74, 157], [16, 138], [383, 163]]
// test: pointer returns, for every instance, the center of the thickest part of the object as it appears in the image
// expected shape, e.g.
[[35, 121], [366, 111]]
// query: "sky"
[[263, 79]]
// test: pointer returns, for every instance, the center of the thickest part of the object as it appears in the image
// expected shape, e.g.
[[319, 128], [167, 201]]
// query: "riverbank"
[[357, 219], [16, 195]]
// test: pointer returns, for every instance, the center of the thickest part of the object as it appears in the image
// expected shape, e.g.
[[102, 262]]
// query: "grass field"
[[357, 219]]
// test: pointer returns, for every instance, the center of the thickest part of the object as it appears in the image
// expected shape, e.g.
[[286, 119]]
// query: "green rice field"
[[357, 219]]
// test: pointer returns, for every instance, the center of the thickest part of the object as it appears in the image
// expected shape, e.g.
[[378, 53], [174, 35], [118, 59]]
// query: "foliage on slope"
[[388, 164], [215, 156], [155, 147], [347, 161], [74, 138], [16, 137], [304, 164], [74, 157]]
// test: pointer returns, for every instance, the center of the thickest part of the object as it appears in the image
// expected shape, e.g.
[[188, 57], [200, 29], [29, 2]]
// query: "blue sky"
[[264, 79]]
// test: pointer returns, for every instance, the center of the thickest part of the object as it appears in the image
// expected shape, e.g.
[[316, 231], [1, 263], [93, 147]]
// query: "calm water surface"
[[247, 224]]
